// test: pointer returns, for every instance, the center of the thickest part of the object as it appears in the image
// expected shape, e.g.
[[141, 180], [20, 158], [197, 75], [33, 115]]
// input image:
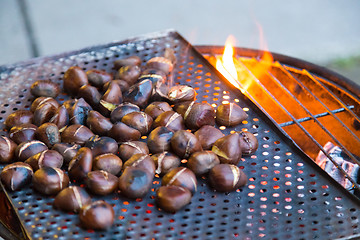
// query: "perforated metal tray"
[[287, 196]]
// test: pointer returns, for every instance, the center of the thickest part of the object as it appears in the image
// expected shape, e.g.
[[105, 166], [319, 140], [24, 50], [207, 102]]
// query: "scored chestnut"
[[135, 182], [181, 93], [182, 177], [101, 182], [90, 94], [7, 149], [71, 199], [141, 161], [98, 78], [138, 120], [113, 94], [199, 114], [101, 145], [79, 112], [165, 162], [97, 123], [67, 150], [123, 133], [97, 215], [16, 175], [154, 109], [49, 134], [60, 118], [129, 73], [230, 114], [120, 111], [80, 165], [248, 142], [228, 149], [160, 63], [44, 88], [76, 134], [171, 120], [49, 180], [139, 93], [201, 162], [124, 86], [46, 158], [42, 100], [184, 143], [159, 139], [227, 177], [43, 113], [172, 198], [108, 162], [130, 148], [74, 79], [19, 117], [27, 149], [208, 135]]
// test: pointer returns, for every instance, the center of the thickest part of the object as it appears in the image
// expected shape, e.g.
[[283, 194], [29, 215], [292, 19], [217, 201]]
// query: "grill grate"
[[287, 196]]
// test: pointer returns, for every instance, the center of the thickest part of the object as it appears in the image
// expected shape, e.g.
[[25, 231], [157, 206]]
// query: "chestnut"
[[141, 161], [101, 145], [154, 109], [66, 150], [208, 135], [98, 78], [80, 165], [129, 73], [120, 111], [77, 133], [27, 149], [97, 215], [123, 133], [68, 104], [71, 199], [199, 115], [79, 112], [18, 117], [44, 88], [171, 120], [124, 86], [7, 149], [182, 177], [74, 79], [113, 94], [184, 143], [22, 133], [46, 158], [105, 108], [16, 175], [129, 61], [130, 148], [49, 134], [135, 182], [60, 118], [138, 120], [159, 139], [154, 75], [165, 162], [43, 113], [160, 91], [230, 114], [228, 149], [172, 198], [49, 180], [160, 63], [248, 142], [97, 123], [108, 162], [139, 93], [101, 182], [181, 93], [183, 108], [226, 177], [159, 82], [91, 95], [42, 100], [201, 162]]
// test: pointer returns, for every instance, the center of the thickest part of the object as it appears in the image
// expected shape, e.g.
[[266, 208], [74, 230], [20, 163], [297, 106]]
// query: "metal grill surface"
[[287, 196]]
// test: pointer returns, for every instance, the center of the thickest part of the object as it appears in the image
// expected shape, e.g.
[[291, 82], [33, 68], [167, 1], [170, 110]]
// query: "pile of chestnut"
[[97, 138]]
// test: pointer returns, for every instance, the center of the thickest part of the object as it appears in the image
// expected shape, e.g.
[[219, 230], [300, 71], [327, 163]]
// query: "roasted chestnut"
[[50, 180], [135, 182], [74, 79], [172, 198], [182, 177], [201, 162], [67, 150], [181, 93], [208, 135], [79, 112], [97, 123], [71, 199], [23, 133], [46, 158], [105, 108], [199, 114], [124, 86], [129, 61], [138, 120], [230, 114], [108, 162], [159, 139], [165, 162], [43, 100], [7, 149], [101, 145], [171, 120], [44, 88], [139, 93], [183, 108], [27, 149], [91, 95], [184, 143], [80, 165], [228, 149], [120, 111], [113, 94], [76, 134], [18, 117], [154, 75], [141, 161], [16, 175], [129, 73], [154, 109], [248, 142], [98, 78], [43, 113], [130, 148], [97, 215], [60, 118], [49, 134], [101, 182], [160, 63], [123, 133], [226, 177]]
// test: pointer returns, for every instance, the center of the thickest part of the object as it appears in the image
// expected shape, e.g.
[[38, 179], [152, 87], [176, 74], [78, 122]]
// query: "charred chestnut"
[[80, 165], [7, 149], [19, 117], [49, 134], [79, 112], [123, 109], [182, 177], [27, 149], [248, 142], [76, 134], [98, 215], [108, 162], [135, 182], [139, 93], [23, 133], [208, 135], [123, 133], [181, 93], [16, 175], [129, 61], [172, 198], [228, 149], [130, 148], [50, 180], [97, 123], [46, 158], [165, 162], [44, 88], [74, 79], [101, 145], [171, 120], [184, 143], [159, 139], [226, 177], [71, 199], [141, 161], [66, 150], [101, 182], [138, 120], [154, 109], [201, 162], [98, 78], [199, 115], [230, 114]]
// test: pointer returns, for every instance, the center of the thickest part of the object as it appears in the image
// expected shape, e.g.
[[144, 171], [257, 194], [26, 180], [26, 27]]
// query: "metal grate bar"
[[355, 185], [285, 124]]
